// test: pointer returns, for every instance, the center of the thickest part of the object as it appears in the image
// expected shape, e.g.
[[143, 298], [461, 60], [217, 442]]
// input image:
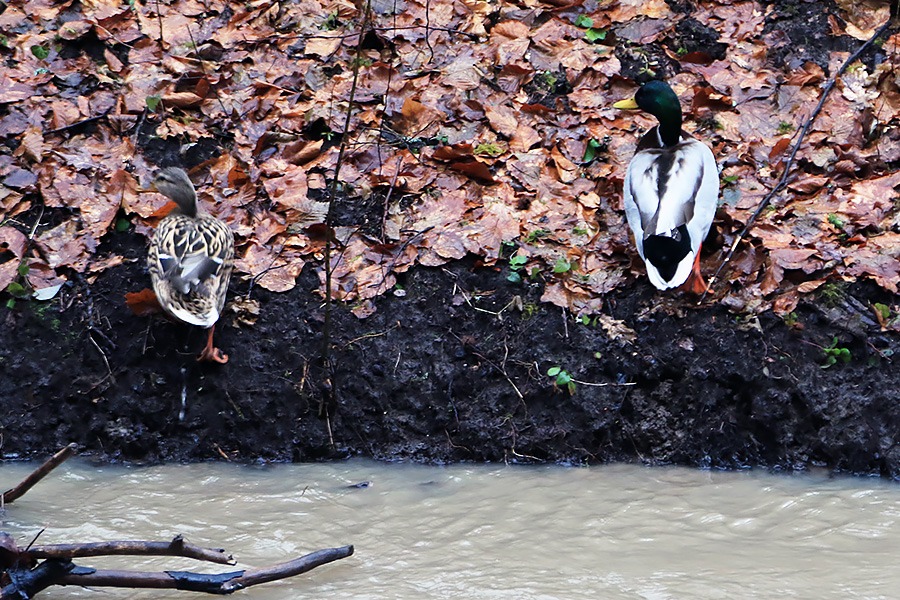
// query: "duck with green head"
[[671, 192], [190, 259]]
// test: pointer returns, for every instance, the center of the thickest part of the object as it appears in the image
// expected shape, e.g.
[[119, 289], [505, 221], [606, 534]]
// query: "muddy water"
[[487, 531]]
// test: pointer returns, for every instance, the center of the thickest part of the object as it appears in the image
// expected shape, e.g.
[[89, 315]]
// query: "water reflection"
[[486, 531]]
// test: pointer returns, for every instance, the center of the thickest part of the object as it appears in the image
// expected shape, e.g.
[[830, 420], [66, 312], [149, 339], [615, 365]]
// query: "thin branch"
[[790, 161], [38, 474], [326, 326], [287, 569], [213, 583], [177, 547]]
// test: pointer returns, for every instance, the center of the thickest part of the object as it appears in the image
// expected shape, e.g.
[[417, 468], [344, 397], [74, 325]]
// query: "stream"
[[482, 531]]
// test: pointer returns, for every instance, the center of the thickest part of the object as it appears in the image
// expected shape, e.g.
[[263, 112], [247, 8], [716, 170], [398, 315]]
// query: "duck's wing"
[[190, 264], [666, 188]]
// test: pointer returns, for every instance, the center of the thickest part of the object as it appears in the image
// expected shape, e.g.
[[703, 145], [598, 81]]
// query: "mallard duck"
[[671, 192], [190, 259]]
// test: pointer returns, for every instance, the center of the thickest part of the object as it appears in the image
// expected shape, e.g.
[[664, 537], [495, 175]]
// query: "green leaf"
[[489, 149], [584, 21], [16, 289], [563, 378], [562, 266], [153, 102], [514, 277], [10, 304], [595, 35], [40, 52], [122, 225], [883, 309], [553, 371], [518, 261], [590, 151], [23, 269]]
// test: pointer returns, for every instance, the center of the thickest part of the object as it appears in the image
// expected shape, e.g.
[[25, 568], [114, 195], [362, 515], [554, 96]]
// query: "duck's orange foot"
[[143, 303], [210, 353], [695, 283]]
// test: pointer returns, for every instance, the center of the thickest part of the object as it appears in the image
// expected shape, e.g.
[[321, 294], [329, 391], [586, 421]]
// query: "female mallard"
[[671, 192], [190, 259]]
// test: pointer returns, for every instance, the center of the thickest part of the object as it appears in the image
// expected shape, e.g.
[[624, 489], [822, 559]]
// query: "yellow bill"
[[629, 104]]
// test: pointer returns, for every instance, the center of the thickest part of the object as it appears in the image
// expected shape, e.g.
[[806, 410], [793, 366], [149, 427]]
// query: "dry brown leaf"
[[274, 271], [12, 248], [566, 170], [32, 144], [302, 151], [66, 246], [463, 73], [289, 193], [245, 310], [615, 329], [182, 99]]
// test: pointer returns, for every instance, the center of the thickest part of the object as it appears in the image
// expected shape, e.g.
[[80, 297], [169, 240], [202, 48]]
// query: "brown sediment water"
[[466, 531]]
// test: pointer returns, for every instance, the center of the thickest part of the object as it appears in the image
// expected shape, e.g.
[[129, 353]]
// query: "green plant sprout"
[[784, 127], [835, 220], [832, 293], [516, 265], [562, 379], [592, 34], [835, 353], [535, 235], [40, 52], [791, 319]]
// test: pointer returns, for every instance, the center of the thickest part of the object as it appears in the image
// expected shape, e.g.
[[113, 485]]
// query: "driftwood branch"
[[38, 474], [177, 547], [216, 583]]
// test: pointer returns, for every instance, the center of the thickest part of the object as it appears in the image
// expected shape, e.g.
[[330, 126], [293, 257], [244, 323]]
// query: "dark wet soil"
[[452, 370], [453, 367]]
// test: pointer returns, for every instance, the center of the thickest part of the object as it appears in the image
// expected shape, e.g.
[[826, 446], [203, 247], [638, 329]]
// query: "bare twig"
[[326, 326], [38, 474], [605, 384], [790, 161], [159, 18]]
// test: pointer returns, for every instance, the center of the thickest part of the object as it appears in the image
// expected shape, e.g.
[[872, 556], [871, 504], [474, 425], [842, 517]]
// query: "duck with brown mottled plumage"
[[190, 259]]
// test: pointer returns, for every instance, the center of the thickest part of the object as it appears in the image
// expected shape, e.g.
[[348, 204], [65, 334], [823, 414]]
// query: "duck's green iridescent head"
[[658, 99]]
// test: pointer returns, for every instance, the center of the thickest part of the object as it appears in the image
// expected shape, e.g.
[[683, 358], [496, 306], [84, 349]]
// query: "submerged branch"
[[38, 474], [214, 583]]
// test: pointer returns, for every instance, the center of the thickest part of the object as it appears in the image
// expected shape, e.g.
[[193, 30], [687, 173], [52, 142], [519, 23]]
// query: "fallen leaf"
[[12, 248]]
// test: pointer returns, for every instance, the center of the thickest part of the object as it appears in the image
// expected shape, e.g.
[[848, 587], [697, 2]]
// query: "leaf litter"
[[475, 128]]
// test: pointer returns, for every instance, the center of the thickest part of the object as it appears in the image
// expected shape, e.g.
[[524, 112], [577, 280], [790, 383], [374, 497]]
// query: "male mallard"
[[190, 259], [671, 192]]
